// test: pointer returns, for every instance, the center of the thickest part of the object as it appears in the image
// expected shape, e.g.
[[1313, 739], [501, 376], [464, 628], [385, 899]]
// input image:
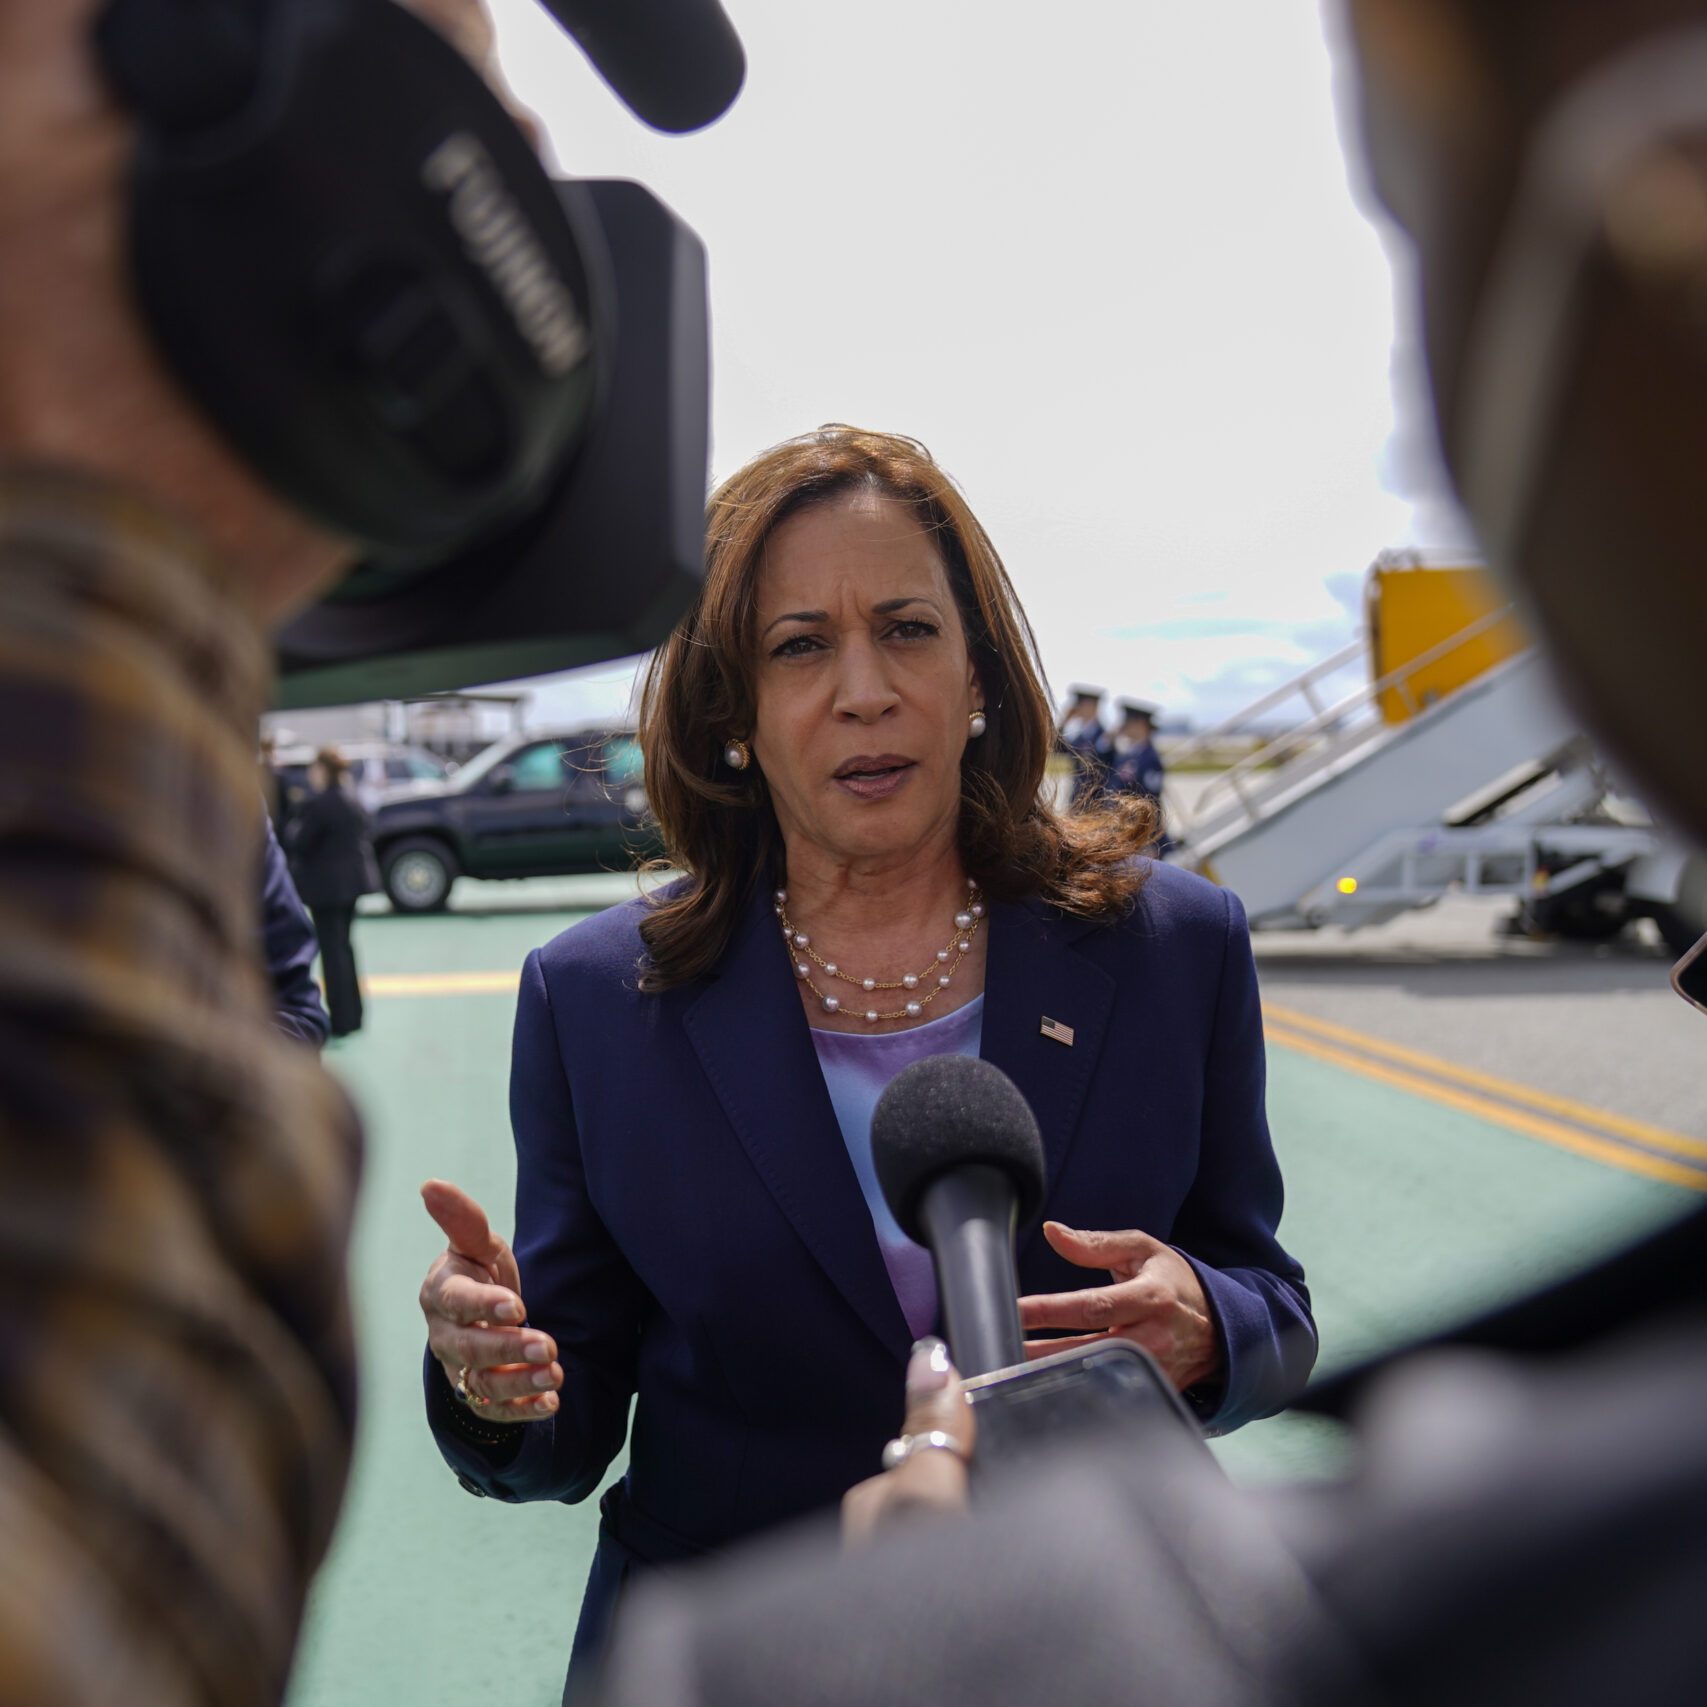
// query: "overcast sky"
[[1104, 258]]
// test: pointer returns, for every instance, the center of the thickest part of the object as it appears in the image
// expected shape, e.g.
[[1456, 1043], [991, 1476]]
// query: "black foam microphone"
[[960, 1160], [677, 64]]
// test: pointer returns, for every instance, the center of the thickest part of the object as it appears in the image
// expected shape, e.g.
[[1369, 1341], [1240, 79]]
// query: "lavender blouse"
[[857, 1068]]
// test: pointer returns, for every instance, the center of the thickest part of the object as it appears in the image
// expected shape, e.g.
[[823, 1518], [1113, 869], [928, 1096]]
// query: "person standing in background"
[[1135, 767], [1083, 735], [331, 849]]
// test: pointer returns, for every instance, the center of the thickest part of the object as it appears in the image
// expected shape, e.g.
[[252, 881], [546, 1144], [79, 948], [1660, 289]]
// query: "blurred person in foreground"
[[331, 855], [176, 1370], [845, 744], [1527, 1519]]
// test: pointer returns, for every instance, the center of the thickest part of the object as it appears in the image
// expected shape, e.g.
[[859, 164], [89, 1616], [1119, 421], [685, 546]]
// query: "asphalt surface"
[[1597, 1023]]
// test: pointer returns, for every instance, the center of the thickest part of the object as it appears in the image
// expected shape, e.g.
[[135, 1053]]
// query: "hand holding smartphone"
[[1035, 1411]]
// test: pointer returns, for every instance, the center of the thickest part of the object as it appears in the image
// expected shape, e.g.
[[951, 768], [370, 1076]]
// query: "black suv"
[[530, 806]]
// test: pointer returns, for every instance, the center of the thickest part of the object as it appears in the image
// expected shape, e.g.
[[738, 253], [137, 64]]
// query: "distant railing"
[[1180, 754], [1330, 734]]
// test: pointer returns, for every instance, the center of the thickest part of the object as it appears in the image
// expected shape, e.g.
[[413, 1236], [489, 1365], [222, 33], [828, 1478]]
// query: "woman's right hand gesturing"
[[472, 1300]]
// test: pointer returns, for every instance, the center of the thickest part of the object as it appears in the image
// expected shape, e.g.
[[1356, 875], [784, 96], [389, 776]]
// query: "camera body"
[[495, 385], [610, 555]]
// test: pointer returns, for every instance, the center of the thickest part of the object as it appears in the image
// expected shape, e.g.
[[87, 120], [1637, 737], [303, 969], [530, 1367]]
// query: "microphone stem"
[[968, 1215]]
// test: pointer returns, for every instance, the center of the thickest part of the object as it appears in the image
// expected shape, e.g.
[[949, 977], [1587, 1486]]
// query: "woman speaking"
[[845, 743]]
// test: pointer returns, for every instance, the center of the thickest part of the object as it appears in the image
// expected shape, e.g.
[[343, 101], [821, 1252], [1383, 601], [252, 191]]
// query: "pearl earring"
[[737, 755], [978, 724]]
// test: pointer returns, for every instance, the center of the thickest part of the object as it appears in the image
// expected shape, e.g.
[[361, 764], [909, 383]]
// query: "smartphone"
[[1689, 976], [1037, 1410]]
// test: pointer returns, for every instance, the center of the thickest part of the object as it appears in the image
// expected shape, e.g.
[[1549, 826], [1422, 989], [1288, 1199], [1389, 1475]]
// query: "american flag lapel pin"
[[1053, 1028]]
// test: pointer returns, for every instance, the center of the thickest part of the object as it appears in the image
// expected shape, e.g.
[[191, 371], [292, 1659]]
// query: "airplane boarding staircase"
[[1349, 816]]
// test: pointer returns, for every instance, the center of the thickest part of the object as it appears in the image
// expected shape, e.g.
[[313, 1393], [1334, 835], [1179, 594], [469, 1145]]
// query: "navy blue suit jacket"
[[690, 1230], [288, 945]]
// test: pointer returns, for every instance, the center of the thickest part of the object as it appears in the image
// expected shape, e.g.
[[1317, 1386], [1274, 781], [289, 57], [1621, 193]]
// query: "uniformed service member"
[[1134, 765], [1083, 735]]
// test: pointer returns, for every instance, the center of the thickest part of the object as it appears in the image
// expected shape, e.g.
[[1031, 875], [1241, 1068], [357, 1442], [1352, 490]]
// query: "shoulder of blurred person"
[[1528, 1516], [1520, 1528], [289, 948]]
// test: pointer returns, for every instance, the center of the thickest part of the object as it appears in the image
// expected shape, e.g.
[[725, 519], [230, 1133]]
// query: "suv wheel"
[[419, 875]]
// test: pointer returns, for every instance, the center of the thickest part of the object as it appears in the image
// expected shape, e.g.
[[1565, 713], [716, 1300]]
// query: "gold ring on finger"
[[464, 1392]]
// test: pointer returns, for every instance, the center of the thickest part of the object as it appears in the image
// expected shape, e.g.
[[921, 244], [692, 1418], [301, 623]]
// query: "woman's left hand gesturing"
[[1156, 1302]]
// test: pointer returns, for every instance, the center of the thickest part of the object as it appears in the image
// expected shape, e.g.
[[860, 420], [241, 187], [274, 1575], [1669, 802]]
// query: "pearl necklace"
[[947, 962]]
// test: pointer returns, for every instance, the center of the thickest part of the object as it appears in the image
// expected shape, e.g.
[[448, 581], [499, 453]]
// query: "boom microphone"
[[960, 1160], [676, 64]]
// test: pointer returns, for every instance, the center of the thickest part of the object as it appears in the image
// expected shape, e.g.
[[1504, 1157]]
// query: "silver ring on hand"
[[899, 1450], [472, 1399]]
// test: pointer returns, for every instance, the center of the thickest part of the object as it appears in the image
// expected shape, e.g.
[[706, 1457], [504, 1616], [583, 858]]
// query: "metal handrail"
[[1275, 696], [1330, 720]]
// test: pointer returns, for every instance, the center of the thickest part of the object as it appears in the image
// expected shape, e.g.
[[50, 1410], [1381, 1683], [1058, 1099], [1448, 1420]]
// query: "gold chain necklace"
[[934, 979]]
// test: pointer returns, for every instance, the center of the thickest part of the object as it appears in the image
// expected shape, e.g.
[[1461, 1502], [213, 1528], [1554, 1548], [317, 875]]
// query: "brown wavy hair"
[[718, 825]]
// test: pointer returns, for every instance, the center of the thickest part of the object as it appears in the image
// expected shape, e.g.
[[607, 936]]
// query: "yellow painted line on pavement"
[[1658, 1137], [442, 983], [1607, 1151]]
